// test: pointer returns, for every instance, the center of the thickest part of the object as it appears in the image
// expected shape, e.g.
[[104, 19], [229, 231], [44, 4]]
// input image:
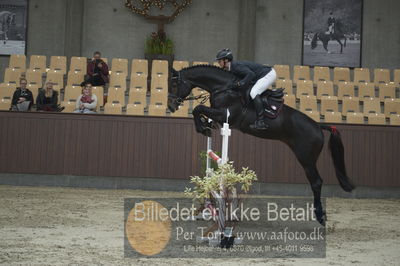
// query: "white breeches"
[[263, 83]]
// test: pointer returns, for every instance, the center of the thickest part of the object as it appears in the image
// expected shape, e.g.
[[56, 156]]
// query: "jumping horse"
[[7, 19], [303, 135]]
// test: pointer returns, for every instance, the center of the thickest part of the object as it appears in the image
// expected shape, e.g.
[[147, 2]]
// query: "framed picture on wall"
[[13, 26], [332, 33]]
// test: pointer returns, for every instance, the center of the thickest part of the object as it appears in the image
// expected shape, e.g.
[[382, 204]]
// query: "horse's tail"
[[314, 41], [337, 152]]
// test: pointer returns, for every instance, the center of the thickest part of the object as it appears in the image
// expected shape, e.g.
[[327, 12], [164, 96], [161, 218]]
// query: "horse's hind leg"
[[341, 46], [307, 153]]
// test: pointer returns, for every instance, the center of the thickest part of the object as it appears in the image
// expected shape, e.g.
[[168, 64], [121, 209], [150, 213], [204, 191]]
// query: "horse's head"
[[178, 90]]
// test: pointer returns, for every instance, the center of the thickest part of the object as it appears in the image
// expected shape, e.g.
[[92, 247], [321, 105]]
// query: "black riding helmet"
[[224, 54]]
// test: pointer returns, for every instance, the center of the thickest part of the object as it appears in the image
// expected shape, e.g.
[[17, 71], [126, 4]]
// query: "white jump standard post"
[[221, 195]]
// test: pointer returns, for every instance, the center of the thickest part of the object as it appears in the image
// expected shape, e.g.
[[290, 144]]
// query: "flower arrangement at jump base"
[[211, 182], [158, 43]]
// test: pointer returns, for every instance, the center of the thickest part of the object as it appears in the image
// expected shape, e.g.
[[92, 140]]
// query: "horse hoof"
[[322, 219]]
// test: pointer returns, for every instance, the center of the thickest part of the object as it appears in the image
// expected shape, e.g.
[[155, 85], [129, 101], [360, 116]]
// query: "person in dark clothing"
[[249, 73], [47, 100], [97, 70], [331, 24], [21, 97]]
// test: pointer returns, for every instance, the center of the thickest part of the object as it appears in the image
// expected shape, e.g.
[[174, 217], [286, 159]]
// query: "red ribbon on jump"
[[334, 130]]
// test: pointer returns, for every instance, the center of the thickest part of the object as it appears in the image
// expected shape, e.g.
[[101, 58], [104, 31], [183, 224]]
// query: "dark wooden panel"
[[105, 145]]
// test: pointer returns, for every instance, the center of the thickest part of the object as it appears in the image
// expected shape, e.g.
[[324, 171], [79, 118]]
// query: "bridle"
[[203, 97]]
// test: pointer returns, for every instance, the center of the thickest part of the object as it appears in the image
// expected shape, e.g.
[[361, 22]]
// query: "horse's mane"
[[208, 66]]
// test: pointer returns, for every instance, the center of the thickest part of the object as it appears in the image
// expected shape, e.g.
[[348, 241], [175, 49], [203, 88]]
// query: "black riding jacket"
[[248, 72], [331, 21]]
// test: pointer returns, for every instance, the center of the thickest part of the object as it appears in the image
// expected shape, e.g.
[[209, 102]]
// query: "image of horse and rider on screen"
[[332, 33], [13, 19]]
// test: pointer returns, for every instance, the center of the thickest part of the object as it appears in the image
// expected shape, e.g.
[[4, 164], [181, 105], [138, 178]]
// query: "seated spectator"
[[47, 100], [22, 99], [97, 70], [86, 102]]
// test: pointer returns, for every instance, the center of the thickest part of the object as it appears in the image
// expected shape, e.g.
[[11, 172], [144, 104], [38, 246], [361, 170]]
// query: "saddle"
[[272, 99]]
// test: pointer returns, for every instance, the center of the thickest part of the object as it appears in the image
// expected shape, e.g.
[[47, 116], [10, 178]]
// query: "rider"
[[249, 72], [331, 24]]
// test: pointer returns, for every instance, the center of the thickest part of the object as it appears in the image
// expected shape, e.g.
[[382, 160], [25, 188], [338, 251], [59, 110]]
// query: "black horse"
[[302, 134], [324, 37]]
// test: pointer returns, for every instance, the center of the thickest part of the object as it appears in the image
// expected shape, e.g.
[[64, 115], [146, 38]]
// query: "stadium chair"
[[321, 74], [140, 67], [376, 119], [34, 77], [12, 75], [119, 66], [158, 96], [159, 68], [116, 95], [282, 72], [69, 106], [157, 110], [285, 84], [345, 89], [72, 93], [78, 64], [354, 118], [304, 87], [301, 73], [392, 106], [178, 65], [104, 59], [361, 75], [118, 80], [314, 115], [159, 83], [333, 117], [75, 78], [6, 91], [324, 88], [329, 104], [58, 64], [290, 100], [5, 86], [366, 90], [341, 74], [56, 77], [38, 63], [5, 104], [113, 108], [394, 119], [381, 76], [371, 105], [99, 92], [196, 63], [17, 61], [183, 111], [387, 90], [136, 108], [308, 103], [396, 77], [350, 104], [138, 89]]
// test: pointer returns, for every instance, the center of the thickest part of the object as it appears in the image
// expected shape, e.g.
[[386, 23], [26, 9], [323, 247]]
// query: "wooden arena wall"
[[155, 147]]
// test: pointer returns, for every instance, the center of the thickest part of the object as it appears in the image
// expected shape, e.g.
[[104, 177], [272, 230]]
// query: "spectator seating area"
[[338, 95]]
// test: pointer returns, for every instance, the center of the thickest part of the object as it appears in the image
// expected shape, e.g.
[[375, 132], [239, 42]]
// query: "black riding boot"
[[260, 123]]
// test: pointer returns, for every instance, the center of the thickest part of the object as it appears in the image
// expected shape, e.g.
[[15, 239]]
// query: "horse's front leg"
[[341, 46], [203, 111]]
